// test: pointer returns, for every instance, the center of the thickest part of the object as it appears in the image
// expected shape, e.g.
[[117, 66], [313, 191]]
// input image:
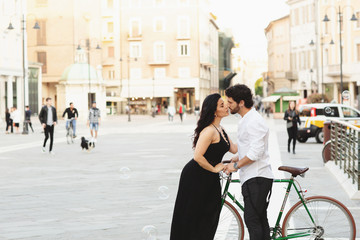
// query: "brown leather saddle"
[[293, 170]]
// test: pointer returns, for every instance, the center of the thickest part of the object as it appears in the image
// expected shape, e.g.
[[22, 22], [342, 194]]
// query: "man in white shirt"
[[252, 161]]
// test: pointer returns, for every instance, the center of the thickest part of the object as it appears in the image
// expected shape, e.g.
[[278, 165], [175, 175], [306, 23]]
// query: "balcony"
[[158, 62], [134, 37], [291, 75], [108, 37], [333, 70]]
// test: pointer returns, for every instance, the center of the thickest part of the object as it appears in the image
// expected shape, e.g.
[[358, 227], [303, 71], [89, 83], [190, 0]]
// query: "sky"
[[248, 19]]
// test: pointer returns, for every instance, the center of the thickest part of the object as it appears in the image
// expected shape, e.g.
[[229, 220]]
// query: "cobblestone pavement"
[[127, 182]]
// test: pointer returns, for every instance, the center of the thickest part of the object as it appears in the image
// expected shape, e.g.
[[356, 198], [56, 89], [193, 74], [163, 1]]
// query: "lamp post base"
[[25, 129]]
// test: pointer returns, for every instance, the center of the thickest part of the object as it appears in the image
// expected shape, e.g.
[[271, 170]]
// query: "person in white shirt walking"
[[16, 116], [252, 161], [94, 122]]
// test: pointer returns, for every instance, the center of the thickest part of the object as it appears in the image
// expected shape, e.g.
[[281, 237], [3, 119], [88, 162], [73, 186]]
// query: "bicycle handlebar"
[[226, 161]]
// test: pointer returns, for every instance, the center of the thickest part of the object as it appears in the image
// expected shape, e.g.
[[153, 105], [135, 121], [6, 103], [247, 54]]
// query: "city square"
[[127, 182]]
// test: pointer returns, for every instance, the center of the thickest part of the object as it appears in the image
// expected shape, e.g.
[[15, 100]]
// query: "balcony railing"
[[333, 70], [345, 149], [291, 75]]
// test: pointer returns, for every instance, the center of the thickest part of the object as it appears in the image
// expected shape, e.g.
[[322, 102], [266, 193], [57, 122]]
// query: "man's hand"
[[234, 159], [44, 125], [229, 168], [54, 123]]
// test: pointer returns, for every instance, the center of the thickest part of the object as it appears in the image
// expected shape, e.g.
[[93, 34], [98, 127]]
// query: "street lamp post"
[[128, 75], [353, 18], [23, 28], [88, 47]]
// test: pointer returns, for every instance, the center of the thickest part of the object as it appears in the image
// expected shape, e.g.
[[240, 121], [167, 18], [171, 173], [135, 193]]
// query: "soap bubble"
[[163, 192], [149, 232], [125, 173]]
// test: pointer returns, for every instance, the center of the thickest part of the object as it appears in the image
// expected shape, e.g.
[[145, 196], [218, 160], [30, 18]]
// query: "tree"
[[259, 87], [317, 98]]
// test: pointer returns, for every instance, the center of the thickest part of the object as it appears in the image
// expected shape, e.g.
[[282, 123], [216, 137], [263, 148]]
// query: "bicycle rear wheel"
[[230, 225], [332, 220]]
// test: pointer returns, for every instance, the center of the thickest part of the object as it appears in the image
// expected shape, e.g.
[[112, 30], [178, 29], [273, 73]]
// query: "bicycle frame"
[[277, 227]]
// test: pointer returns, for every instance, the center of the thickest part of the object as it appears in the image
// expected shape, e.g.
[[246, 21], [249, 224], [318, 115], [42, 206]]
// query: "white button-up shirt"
[[252, 140]]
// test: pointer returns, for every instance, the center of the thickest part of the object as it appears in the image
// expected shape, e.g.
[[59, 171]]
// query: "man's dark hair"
[[48, 98], [70, 103], [240, 92], [26, 106]]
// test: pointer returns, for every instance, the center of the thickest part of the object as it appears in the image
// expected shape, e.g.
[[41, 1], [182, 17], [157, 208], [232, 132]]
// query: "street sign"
[[346, 95]]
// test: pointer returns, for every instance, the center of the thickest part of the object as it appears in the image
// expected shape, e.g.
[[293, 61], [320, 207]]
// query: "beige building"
[[168, 52], [152, 52], [278, 38], [64, 25], [329, 54]]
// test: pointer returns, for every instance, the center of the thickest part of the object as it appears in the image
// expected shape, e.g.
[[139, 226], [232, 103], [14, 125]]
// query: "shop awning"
[[291, 98], [272, 98]]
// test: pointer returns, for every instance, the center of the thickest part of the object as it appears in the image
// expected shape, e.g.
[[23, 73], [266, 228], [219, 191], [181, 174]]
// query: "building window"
[[159, 24], [326, 27], [135, 49], [358, 51], [326, 57], [159, 73], [158, 3], [135, 73], [184, 72], [41, 58], [135, 28], [159, 51], [111, 74], [41, 33], [110, 3], [296, 16], [110, 27], [184, 48], [358, 20], [183, 27], [110, 52]]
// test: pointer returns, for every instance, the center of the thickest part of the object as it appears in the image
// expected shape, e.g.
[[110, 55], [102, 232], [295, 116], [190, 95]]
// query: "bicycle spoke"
[[229, 227], [331, 221]]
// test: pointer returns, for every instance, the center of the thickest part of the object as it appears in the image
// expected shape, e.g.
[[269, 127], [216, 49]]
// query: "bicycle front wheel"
[[331, 220], [69, 136], [230, 225]]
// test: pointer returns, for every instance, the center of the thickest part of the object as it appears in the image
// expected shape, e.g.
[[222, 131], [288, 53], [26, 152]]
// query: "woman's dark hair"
[[296, 111], [240, 92], [207, 115]]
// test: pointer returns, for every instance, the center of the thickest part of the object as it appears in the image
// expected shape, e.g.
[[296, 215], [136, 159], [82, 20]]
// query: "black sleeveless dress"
[[198, 202]]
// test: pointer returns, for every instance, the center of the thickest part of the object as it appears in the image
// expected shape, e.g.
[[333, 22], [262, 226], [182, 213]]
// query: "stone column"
[[352, 93], [20, 96], [10, 91], [2, 98]]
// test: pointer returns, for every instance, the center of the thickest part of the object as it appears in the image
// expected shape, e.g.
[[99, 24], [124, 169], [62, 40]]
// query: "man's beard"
[[235, 110]]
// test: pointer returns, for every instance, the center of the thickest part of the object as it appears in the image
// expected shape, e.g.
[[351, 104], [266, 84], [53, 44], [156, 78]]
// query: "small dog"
[[85, 144]]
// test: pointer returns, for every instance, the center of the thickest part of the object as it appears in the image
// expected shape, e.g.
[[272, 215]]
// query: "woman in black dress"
[[198, 202], [292, 119]]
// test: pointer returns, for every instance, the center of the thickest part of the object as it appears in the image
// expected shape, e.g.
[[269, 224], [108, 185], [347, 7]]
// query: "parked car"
[[313, 116]]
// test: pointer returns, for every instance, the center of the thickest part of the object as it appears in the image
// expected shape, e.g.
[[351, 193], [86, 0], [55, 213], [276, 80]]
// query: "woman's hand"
[[290, 118], [219, 167]]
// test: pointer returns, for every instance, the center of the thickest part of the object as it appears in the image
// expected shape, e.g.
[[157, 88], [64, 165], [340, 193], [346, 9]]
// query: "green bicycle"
[[316, 217]]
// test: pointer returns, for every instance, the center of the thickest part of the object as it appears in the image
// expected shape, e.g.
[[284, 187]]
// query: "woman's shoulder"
[[208, 131]]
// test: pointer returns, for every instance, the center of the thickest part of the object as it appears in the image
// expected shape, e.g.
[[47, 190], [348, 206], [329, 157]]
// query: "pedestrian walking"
[[181, 110], [28, 118], [9, 122], [252, 161], [16, 117], [72, 116], [94, 122], [292, 119], [193, 217], [171, 113], [48, 120]]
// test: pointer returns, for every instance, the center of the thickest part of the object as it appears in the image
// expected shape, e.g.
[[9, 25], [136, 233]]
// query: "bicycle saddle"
[[293, 170]]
